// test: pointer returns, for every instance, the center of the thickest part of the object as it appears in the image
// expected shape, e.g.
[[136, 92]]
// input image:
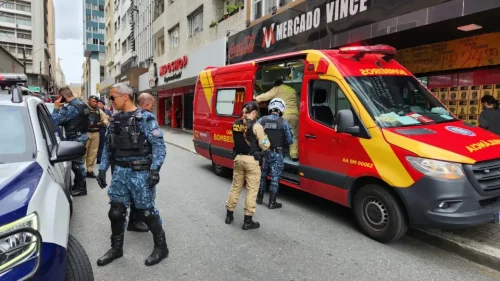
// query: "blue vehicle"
[[35, 202]]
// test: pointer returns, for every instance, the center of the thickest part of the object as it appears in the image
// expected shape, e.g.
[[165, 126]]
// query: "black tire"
[[79, 267], [221, 171], [379, 214]]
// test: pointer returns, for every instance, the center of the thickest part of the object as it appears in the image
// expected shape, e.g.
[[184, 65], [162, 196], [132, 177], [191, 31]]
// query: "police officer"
[[98, 119], [102, 130], [135, 142], [291, 115], [249, 140], [280, 135], [74, 117]]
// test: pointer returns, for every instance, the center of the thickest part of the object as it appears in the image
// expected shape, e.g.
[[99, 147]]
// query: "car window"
[[47, 127], [17, 143]]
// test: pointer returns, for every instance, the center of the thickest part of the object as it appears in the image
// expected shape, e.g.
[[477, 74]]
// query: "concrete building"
[[127, 67], [60, 80], [9, 63], [94, 45], [188, 36], [28, 26], [143, 32], [76, 89]]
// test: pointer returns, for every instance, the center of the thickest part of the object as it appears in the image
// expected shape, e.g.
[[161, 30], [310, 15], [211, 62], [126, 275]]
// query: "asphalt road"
[[308, 239]]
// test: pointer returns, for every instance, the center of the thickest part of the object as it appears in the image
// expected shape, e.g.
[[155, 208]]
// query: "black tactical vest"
[[95, 118], [81, 123], [275, 131], [128, 140], [240, 145]]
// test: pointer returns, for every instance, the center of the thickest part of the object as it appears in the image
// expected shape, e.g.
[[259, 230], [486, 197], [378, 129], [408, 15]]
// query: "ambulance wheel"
[[78, 267], [221, 171], [379, 214]]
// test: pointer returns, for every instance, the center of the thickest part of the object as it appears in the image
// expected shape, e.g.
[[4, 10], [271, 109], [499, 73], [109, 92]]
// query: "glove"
[[101, 179], [153, 178]]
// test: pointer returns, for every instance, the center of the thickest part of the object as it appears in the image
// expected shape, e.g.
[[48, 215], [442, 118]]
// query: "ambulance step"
[[293, 178]]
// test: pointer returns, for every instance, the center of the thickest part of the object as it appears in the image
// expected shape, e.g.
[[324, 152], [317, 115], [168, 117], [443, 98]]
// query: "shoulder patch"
[[156, 132], [264, 141]]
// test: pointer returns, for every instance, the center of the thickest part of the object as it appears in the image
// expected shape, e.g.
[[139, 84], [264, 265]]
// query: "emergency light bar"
[[359, 51], [19, 78]]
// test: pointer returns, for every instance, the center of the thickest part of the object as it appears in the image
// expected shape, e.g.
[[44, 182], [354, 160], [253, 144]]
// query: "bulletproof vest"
[[128, 140], [240, 145], [95, 118], [275, 131], [79, 124]]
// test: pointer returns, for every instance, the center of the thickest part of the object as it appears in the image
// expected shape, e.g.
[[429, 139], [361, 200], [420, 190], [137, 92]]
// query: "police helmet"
[[277, 105]]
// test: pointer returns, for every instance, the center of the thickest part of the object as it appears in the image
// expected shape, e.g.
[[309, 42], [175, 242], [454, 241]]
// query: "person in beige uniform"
[[249, 141], [291, 115], [97, 119]]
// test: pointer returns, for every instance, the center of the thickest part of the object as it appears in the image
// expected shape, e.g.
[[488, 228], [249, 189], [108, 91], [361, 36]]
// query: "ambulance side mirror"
[[345, 122]]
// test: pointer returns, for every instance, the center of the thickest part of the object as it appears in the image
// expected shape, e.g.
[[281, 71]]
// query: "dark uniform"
[[280, 135], [74, 117], [135, 143], [246, 169]]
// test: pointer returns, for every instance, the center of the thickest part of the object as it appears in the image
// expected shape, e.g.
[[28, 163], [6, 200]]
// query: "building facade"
[[25, 28], [452, 46], [188, 36], [94, 45], [60, 78]]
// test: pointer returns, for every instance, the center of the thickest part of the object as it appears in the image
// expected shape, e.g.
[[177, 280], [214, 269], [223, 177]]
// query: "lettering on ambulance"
[[379, 71], [228, 135], [335, 10], [358, 163], [482, 144]]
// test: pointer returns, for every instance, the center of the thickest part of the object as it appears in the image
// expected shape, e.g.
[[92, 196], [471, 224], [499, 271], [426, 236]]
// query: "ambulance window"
[[326, 98], [290, 72], [229, 102]]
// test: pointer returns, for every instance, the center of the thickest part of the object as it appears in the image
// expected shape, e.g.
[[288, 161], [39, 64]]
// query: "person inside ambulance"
[[291, 115]]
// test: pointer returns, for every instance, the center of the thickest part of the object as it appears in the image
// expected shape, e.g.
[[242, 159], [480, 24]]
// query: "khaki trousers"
[[92, 148], [293, 120], [246, 170]]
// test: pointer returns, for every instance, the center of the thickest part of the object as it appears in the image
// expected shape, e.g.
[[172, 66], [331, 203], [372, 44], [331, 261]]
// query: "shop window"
[[290, 72], [229, 102], [325, 100]]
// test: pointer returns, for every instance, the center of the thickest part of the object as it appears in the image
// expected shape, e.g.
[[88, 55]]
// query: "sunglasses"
[[111, 98]]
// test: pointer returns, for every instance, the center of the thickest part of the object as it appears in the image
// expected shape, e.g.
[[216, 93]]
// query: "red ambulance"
[[371, 137]]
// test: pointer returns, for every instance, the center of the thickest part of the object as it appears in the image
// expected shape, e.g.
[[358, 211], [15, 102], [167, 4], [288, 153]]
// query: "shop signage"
[[174, 67], [314, 20], [153, 75], [471, 52]]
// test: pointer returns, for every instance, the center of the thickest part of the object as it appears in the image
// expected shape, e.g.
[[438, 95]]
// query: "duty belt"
[[73, 134], [93, 130], [136, 165], [276, 149]]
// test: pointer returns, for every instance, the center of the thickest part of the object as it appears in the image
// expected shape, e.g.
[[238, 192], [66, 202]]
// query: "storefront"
[[174, 82], [452, 46]]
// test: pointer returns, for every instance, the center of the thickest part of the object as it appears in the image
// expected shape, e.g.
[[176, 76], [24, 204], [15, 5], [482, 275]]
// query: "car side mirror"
[[69, 151], [345, 122]]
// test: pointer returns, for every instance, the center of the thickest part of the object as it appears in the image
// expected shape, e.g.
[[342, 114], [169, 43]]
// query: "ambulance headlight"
[[436, 168], [15, 248]]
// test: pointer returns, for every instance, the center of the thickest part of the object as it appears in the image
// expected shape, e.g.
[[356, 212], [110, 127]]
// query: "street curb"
[[181, 147], [460, 246]]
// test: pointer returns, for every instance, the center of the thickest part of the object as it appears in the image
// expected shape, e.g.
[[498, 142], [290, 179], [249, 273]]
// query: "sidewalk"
[[479, 244]]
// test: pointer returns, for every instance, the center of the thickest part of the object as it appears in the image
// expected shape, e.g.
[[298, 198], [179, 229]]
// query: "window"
[[160, 46], [24, 35], [124, 47], [173, 37], [325, 100], [290, 72], [261, 8], [18, 145], [229, 101], [6, 5], [195, 22], [48, 135], [159, 8], [395, 101], [24, 8]]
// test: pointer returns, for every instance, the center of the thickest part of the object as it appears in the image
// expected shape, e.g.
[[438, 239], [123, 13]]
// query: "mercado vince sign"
[[314, 23]]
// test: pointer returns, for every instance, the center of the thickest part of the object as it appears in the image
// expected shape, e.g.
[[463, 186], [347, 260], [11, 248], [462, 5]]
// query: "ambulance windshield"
[[398, 101]]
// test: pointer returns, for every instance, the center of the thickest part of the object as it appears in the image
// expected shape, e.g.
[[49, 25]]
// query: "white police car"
[[35, 202]]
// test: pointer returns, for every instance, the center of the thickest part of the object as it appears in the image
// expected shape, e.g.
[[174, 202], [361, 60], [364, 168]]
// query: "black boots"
[[272, 202], [249, 223], [229, 217], [79, 189], [260, 196], [160, 250], [115, 252], [134, 224]]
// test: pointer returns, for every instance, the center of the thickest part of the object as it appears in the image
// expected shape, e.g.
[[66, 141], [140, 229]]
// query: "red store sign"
[[175, 65]]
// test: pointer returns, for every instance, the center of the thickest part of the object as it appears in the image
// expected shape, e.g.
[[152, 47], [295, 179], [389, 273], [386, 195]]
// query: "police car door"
[[59, 171]]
